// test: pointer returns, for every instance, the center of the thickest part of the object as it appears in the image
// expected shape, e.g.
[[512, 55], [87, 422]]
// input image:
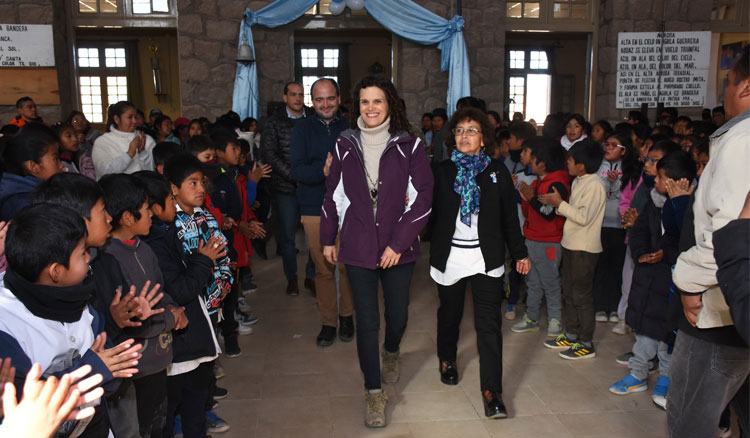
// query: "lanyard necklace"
[[373, 187]]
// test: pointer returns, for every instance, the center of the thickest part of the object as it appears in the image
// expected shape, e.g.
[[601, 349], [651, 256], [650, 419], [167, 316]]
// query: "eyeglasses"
[[469, 132], [612, 146]]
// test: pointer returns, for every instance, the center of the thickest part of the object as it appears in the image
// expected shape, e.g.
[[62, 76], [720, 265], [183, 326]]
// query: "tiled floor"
[[283, 385]]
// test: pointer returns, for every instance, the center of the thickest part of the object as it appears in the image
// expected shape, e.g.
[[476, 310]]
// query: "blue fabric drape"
[[245, 96], [413, 22], [402, 17]]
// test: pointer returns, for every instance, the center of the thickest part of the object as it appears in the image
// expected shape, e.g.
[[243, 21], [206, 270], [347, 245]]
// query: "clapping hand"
[[180, 320], [46, 404], [654, 257], [526, 192], [7, 375], [259, 172], [612, 176], [629, 217], [553, 198], [3, 232], [679, 188], [215, 248], [121, 359]]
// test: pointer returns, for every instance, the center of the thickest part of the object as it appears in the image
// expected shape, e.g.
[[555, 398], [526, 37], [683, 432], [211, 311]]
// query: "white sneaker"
[[613, 317], [510, 312], [621, 328], [242, 305], [244, 330], [601, 317], [554, 328]]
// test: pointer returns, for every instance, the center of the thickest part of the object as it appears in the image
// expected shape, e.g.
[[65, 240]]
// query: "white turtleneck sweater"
[[374, 141], [110, 154], [567, 143]]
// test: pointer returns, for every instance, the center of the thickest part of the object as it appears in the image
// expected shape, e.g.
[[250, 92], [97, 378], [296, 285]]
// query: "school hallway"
[[283, 385]]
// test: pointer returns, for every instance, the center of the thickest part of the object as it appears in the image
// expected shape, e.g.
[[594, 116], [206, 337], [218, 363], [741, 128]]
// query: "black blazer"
[[498, 216]]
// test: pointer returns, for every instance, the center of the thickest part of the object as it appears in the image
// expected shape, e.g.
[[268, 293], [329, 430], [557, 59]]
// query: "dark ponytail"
[[116, 110]]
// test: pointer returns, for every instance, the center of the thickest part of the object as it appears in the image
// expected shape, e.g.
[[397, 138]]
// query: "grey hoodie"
[[139, 264], [611, 213]]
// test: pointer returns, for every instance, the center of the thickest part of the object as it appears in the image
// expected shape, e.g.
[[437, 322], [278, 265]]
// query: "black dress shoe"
[[448, 372], [326, 336], [310, 285], [346, 328], [292, 288], [493, 405]]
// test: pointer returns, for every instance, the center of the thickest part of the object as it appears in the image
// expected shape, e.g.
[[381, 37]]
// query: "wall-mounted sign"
[[26, 45], [669, 67]]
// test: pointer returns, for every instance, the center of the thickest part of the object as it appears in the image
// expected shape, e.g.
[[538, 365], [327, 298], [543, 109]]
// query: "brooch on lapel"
[[493, 176]]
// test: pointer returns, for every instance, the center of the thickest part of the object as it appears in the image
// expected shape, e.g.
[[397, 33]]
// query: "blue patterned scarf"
[[191, 230], [469, 166]]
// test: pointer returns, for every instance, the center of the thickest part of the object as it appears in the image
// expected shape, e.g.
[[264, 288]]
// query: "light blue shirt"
[[292, 116]]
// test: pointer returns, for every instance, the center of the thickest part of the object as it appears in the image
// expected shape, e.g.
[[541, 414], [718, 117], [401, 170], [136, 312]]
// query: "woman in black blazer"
[[475, 217]]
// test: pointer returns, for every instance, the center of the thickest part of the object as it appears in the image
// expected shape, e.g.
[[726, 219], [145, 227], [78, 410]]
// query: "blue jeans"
[[364, 284], [287, 209]]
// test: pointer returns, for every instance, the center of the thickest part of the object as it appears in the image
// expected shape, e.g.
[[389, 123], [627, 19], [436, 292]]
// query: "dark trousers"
[[514, 284], [123, 410], [364, 284], [98, 427], [287, 212], [705, 377], [578, 300], [151, 395], [229, 324], [187, 394], [608, 277], [487, 323]]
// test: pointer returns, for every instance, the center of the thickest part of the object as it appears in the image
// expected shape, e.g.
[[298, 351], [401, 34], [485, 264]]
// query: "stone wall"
[[41, 12], [207, 38], [421, 83], [639, 16]]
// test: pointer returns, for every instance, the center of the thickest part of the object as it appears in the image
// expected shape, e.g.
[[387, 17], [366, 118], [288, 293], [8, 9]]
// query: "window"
[[97, 6], [317, 61], [575, 9], [516, 94], [102, 78], [552, 15], [150, 6], [322, 9], [723, 10], [522, 9], [517, 58], [538, 60], [91, 98], [730, 16], [529, 83], [123, 13]]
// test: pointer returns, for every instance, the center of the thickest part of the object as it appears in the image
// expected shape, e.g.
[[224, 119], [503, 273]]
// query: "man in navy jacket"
[[313, 139]]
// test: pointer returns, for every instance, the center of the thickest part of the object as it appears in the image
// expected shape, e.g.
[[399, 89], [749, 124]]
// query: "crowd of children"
[[145, 268], [127, 253]]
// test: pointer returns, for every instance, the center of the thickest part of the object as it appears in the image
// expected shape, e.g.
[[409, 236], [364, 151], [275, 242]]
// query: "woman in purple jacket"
[[378, 198]]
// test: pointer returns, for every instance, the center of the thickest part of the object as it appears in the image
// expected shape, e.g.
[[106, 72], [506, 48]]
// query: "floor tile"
[[283, 385]]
